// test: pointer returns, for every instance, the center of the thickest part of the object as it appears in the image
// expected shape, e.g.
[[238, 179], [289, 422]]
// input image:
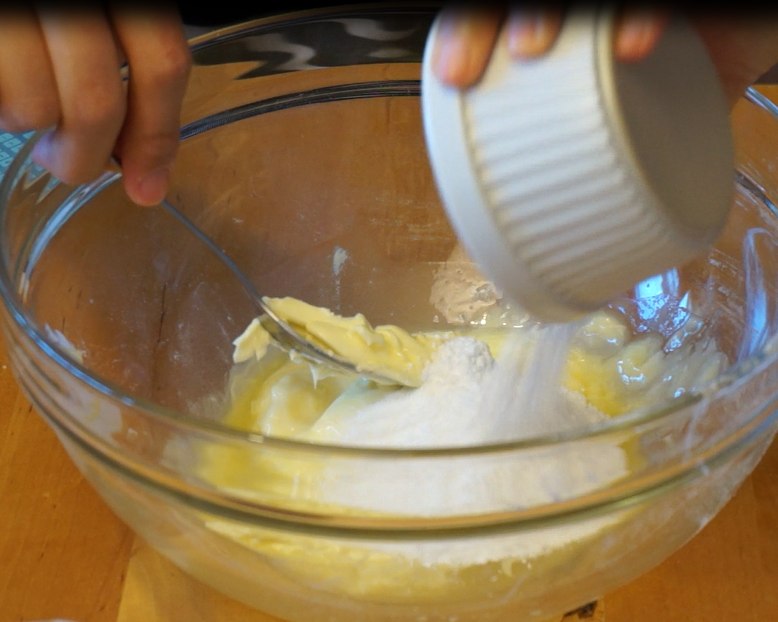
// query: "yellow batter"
[[281, 395], [613, 369]]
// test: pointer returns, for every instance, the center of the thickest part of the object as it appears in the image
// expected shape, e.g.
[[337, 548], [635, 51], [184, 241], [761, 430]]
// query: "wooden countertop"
[[64, 554]]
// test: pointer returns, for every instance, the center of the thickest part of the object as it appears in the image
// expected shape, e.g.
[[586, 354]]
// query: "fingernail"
[[635, 35], [153, 187], [529, 34]]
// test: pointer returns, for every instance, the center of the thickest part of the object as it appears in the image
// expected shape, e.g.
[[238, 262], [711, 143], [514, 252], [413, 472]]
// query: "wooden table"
[[64, 554]]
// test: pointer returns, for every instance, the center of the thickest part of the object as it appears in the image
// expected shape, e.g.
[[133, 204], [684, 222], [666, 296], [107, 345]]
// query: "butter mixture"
[[604, 370], [466, 386], [387, 350]]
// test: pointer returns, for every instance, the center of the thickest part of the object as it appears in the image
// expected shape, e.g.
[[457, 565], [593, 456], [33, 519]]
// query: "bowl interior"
[[317, 183]]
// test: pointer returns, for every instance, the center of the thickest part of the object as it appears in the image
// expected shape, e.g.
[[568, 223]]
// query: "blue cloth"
[[9, 147]]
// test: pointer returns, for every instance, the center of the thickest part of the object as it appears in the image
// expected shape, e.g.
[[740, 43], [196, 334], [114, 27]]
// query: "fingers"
[[28, 95], [464, 44], [637, 32], [85, 62], [159, 61], [532, 33], [61, 68], [467, 36]]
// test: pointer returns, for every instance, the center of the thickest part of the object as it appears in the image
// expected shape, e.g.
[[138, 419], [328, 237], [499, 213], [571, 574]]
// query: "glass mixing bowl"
[[302, 154]]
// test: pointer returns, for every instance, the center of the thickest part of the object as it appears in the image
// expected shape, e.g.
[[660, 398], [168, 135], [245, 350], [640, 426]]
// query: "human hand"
[[742, 47], [60, 69]]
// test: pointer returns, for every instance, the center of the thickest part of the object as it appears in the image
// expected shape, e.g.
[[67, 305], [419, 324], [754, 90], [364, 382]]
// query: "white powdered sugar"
[[443, 411], [467, 399], [456, 406]]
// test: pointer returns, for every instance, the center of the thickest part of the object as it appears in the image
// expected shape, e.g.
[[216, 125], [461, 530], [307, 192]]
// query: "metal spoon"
[[281, 332]]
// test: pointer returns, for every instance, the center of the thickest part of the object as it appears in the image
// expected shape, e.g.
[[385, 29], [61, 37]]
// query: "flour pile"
[[467, 398]]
